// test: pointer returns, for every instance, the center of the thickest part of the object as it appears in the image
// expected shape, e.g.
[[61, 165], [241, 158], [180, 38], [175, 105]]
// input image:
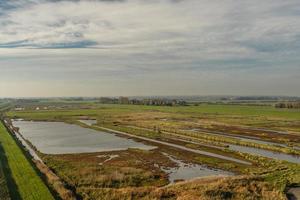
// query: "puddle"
[[187, 171], [266, 153]]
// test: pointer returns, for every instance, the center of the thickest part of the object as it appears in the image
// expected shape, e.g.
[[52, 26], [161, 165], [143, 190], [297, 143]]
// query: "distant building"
[[123, 100], [149, 101], [19, 109]]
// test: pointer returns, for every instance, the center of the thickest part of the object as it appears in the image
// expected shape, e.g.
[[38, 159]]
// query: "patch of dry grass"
[[211, 188]]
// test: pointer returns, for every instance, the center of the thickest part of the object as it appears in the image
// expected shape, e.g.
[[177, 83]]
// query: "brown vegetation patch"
[[264, 134], [131, 168], [211, 188]]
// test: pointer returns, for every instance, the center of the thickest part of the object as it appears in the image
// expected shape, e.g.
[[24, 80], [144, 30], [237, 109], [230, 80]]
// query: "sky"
[[149, 47]]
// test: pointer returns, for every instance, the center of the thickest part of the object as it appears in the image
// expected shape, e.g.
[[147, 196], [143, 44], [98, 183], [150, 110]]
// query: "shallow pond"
[[266, 153], [62, 138], [186, 171]]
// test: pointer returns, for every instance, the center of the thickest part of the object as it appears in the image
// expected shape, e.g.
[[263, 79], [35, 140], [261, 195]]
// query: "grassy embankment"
[[23, 181], [4, 193]]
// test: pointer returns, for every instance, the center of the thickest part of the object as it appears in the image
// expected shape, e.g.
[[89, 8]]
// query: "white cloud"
[[148, 38], [201, 27]]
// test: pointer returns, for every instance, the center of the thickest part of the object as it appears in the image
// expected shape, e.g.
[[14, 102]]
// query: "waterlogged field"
[[23, 181], [259, 142]]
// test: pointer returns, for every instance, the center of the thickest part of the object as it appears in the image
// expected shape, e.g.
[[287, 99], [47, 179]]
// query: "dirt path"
[[177, 146]]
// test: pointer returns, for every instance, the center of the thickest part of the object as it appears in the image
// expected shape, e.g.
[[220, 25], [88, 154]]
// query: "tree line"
[[153, 102], [291, 105]]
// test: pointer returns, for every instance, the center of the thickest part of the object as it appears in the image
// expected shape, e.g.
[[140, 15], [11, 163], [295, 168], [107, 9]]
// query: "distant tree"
[[289, 105]]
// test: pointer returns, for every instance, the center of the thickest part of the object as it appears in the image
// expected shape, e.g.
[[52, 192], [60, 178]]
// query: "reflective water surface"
[[185, 171], [266, 153], [62, 138]]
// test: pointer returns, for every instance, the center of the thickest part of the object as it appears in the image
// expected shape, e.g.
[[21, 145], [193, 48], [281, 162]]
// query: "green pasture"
[[202, 109]]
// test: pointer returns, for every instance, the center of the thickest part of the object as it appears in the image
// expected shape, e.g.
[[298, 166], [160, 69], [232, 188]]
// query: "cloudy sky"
[[149, 47]]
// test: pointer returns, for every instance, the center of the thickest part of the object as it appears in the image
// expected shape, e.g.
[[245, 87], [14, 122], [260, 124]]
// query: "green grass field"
[[24, 182], [262, 111], [233, 115], [4, 193]]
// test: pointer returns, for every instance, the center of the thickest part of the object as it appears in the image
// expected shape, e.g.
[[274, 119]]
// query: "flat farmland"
[[265, 122], [265, 137], [233, 114]]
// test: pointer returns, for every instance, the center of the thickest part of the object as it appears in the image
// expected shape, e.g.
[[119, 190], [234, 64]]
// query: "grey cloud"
[[140, 40]]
